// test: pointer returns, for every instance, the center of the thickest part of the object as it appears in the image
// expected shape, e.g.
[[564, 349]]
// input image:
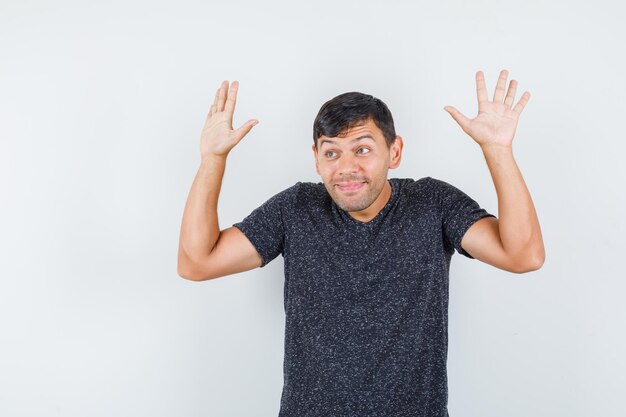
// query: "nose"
[[348, 164]]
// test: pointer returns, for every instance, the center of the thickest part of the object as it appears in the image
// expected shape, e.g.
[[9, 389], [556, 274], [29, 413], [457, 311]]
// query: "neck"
[[378, 204]]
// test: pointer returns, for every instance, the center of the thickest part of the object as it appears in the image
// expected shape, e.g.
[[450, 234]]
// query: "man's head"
[[355, 142]]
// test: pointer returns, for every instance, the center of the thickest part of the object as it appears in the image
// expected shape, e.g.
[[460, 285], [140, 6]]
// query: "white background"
[[101, 108]]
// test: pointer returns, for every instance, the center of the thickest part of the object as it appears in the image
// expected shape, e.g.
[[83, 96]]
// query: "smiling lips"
[[350, 186]]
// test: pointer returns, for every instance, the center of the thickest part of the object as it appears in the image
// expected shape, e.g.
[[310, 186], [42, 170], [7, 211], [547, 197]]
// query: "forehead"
[[362, 131]]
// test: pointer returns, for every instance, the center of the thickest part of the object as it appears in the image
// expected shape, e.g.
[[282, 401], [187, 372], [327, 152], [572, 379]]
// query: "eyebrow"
[[352, 141]]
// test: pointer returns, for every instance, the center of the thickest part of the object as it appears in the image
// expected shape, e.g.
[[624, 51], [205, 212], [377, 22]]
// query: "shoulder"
[[310, 188], [309, 191], [446, 191], [442, 189], [410, 188], [301, 194], [280, 199], [437, 183], [428, 191]]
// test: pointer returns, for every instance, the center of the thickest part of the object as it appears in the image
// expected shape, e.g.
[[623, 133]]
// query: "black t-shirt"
[[366, 303]]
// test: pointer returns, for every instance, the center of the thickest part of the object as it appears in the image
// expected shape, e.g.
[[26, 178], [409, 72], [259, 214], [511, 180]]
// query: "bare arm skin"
[[514, 241], [205, 251]]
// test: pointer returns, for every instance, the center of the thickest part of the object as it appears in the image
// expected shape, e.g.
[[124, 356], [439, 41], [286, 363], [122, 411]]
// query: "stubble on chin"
[[350, 205]]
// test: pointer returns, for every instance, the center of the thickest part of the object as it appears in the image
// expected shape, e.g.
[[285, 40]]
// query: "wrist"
[[213, 159], [496, 148]]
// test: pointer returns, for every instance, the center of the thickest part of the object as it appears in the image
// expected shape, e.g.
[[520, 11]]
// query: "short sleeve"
[[265, 227], [459, 212]]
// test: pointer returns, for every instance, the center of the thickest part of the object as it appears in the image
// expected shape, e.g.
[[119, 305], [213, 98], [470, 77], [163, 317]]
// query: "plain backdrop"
[[101, 108]]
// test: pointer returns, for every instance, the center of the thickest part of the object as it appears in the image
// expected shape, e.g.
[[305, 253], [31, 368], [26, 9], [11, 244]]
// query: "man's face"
[[354, 168]]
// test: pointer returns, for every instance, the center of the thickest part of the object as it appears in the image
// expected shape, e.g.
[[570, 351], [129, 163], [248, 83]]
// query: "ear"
[[315, 156], [395, 152]]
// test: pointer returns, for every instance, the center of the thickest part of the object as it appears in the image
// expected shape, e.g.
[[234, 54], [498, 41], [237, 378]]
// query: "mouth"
[[350, 186]]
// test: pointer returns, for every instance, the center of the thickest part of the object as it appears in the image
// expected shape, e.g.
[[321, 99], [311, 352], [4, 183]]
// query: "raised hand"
[[218, 136], [496, 121]]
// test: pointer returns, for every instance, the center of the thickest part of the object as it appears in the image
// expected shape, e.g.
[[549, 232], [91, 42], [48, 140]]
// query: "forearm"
[[200, 227], [519, 228]]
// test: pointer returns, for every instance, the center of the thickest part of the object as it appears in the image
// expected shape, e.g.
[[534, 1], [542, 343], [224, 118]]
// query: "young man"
[[366, 257]]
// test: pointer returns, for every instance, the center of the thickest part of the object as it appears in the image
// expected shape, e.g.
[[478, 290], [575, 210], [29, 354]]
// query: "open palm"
[[218, 136], [496, 121]]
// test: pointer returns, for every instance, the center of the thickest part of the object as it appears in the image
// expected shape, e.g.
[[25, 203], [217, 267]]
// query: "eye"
[[329, 152], [367, 149]]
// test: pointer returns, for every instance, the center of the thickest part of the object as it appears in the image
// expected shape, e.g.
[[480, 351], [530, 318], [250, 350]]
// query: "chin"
[[351, 205]]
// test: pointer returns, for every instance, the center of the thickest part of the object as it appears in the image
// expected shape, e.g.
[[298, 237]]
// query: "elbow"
[[187, 267], [532, 263], [186, 271], [200, 270], [539, 259], [537, 265]]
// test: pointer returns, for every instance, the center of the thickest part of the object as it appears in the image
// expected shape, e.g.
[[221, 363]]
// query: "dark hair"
[[352, 109]]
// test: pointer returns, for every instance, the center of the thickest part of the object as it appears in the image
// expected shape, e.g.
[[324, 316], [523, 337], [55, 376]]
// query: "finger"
[[510, 94], [458, 116], [522, 102], [244, 129], [214, 105], [498, 95], [232, 97], [481, 89], [222, 95], [217, 95]]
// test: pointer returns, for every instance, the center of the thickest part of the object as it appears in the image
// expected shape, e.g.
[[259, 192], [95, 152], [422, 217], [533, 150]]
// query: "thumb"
[[458, 116], [244, 129]]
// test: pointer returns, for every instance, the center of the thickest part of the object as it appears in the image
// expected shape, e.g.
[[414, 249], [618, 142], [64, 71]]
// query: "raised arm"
[[204, 251], [514, 241]]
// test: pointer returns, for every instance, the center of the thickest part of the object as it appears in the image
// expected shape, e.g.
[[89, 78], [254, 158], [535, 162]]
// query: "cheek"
[[372, 165], [326, 168]]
